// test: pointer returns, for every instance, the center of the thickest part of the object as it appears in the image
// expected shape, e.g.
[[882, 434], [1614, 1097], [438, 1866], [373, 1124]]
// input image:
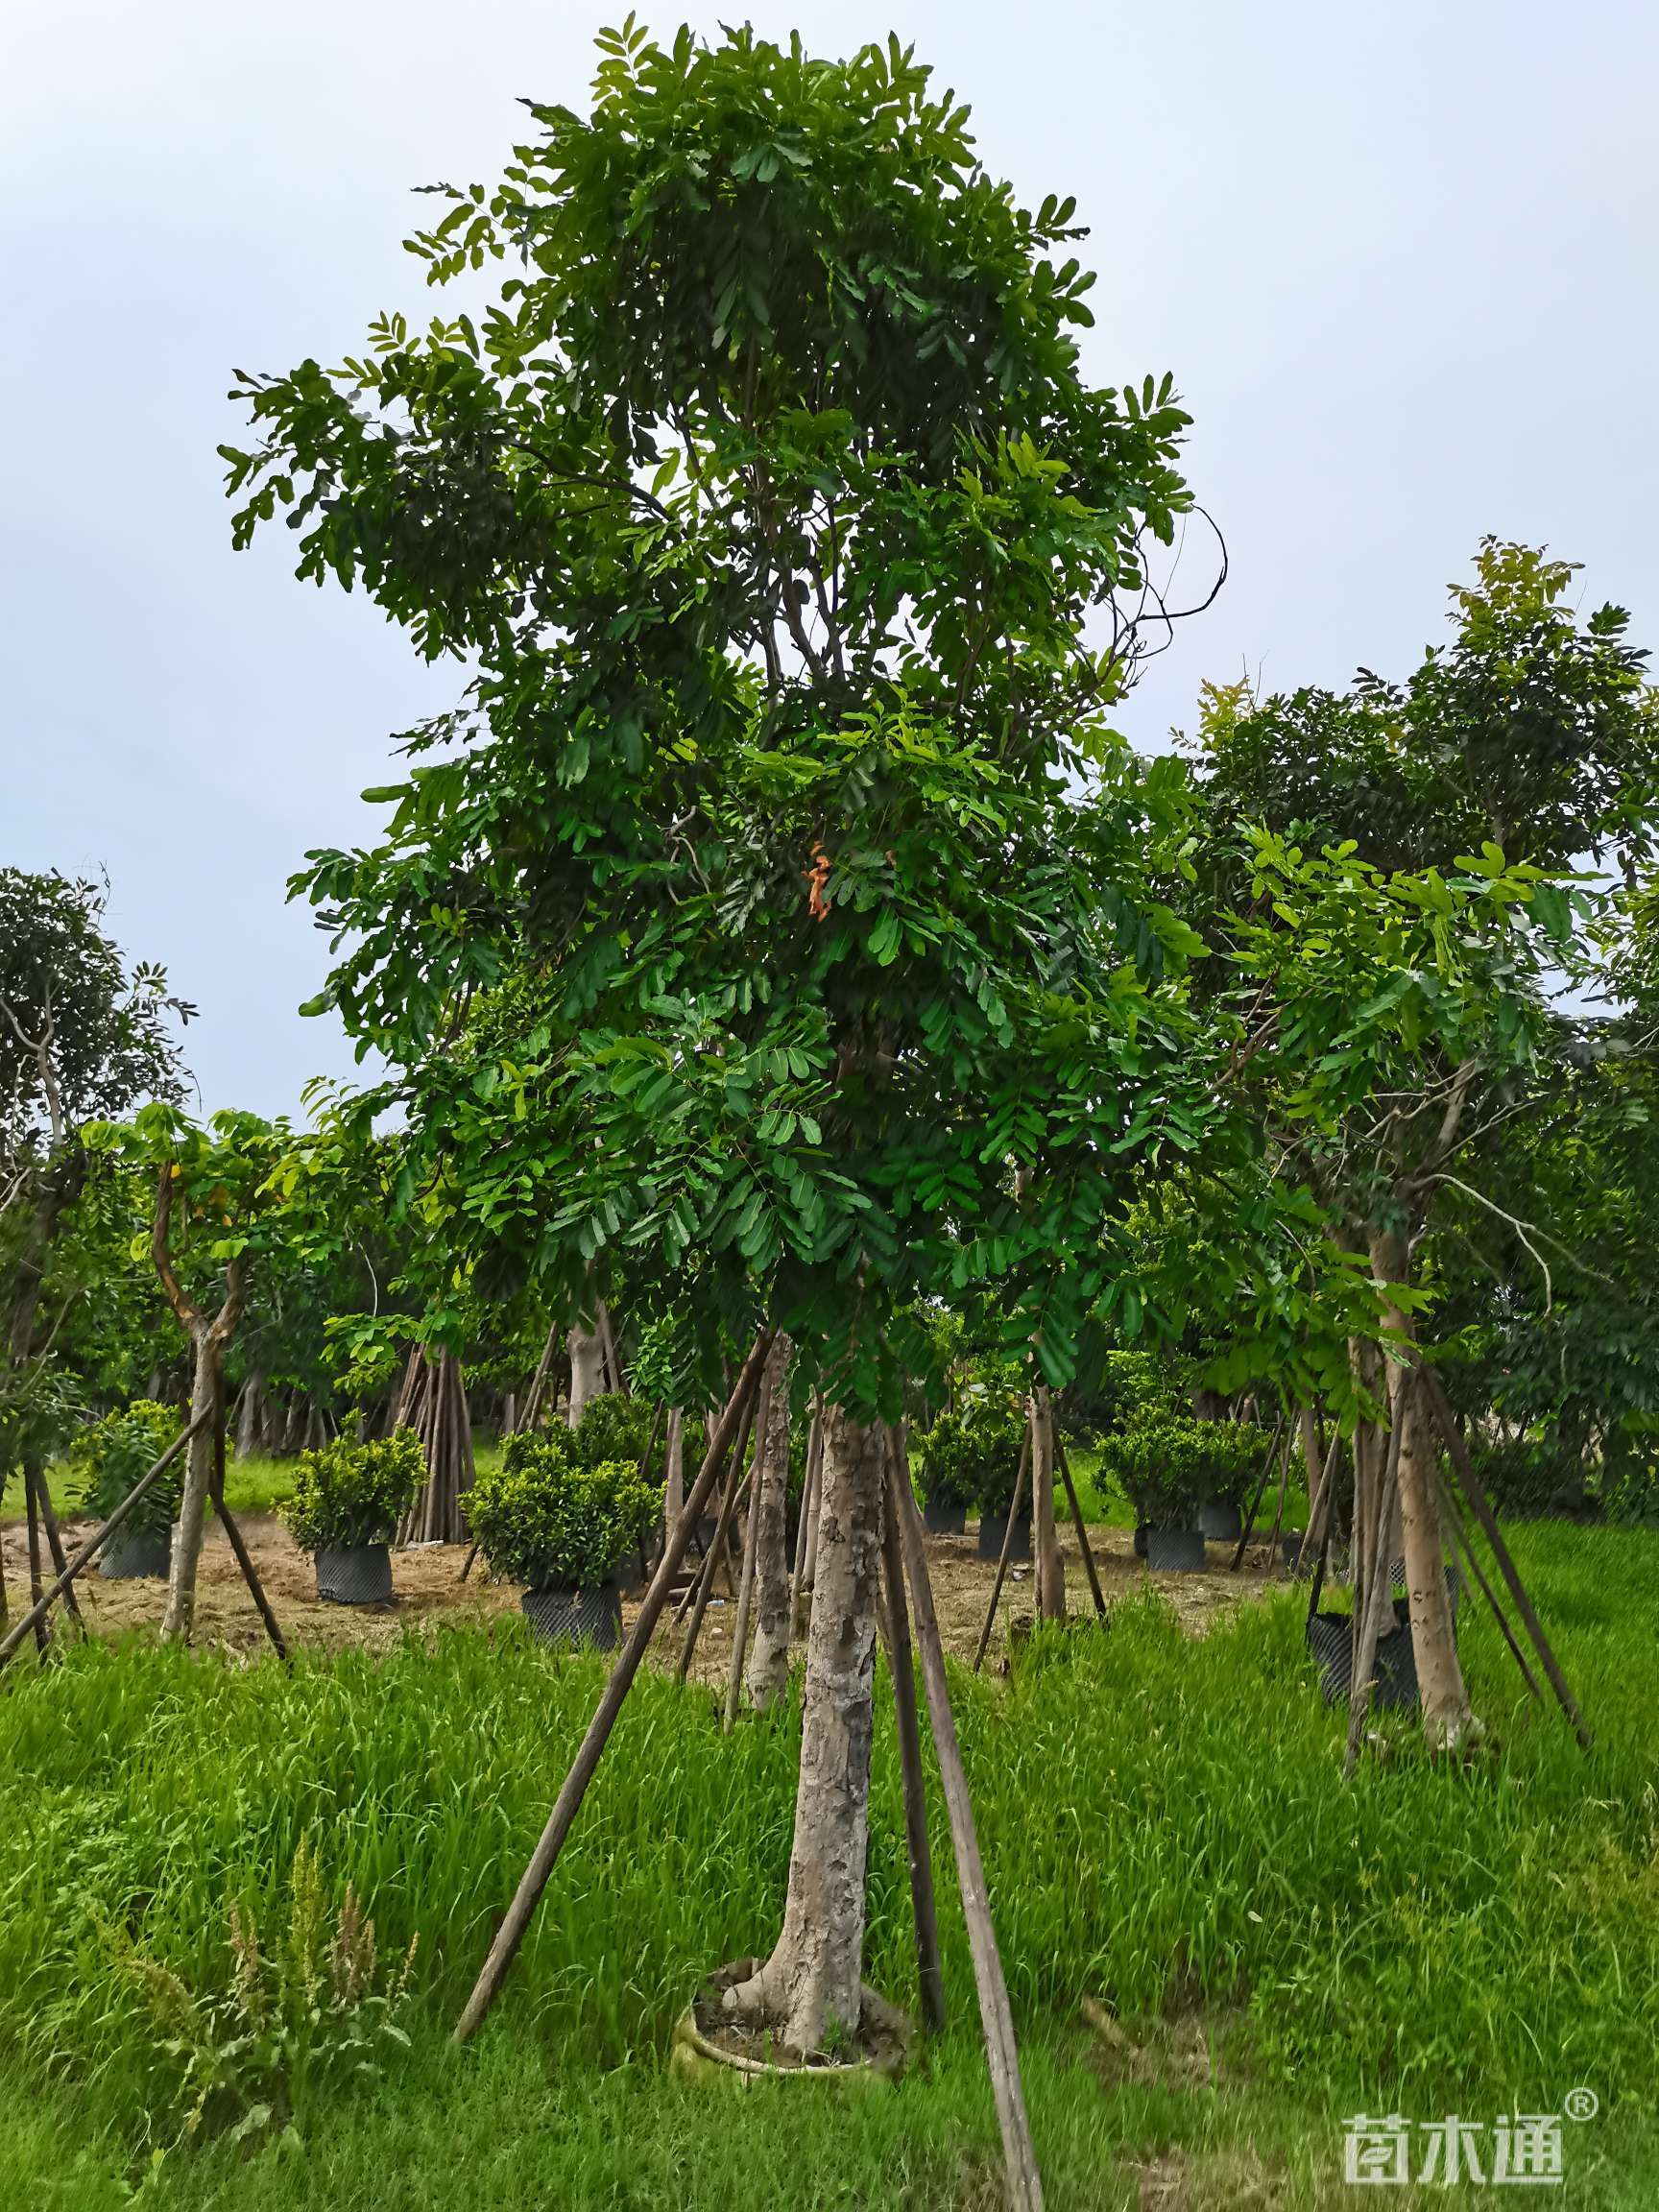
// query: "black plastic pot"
[[993, 1526], [1220, 1522], [1331, 1640], [945, 1520], [141, 1552], [570, 1616], [1175, 1551], [354, 1575]]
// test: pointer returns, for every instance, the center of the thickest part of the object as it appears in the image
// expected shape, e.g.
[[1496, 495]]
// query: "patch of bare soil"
[[430, 1592]]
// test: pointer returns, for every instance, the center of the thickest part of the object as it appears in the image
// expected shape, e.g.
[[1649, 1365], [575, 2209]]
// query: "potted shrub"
[[1231, 1454], [349, 1498], [1159, 1467], [945, 1474], [614, 1426], [562, 1528], [994, 1427], [106, 1460]]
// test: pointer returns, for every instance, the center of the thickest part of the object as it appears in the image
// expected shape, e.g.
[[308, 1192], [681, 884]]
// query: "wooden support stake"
[[1065, 1466], [233, 1536], [929, 1971], [1249, 1528], [1019, 2158], [55, 1545], [1465, 1550], [1007, 1547], [546, 1856], [1481, 1507], [98, 1538]]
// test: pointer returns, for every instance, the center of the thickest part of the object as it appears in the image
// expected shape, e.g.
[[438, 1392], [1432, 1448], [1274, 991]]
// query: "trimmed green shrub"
[[972, 1456], [348, 1494], [545, 1519], [612, 1426], [108, 1458], [1522, 1474], [1168, 1464]]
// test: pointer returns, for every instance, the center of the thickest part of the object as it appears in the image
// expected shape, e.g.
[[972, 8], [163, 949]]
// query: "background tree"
[[81, 1034], [1407, 918]]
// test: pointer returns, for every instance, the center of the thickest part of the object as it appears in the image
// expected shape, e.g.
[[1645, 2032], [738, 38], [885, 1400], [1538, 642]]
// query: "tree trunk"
[[1045, 1537], [248, 1418], [812, 1984], [1447, 1716], [587, 1370], [768, 1671], [673, 1473], [179, 1617]]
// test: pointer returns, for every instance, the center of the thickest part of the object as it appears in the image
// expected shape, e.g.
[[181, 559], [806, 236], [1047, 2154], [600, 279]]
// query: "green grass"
[[1164, 1826]]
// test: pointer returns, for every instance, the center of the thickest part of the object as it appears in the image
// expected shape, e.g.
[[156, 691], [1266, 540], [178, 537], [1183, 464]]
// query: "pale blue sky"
[[1399, 258]]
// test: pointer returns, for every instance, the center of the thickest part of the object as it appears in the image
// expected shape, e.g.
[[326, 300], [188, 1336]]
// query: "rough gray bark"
[[810, 1985], [1044, 1535], [248, 1416], [179, 1617], [1448, 1717], [673, 1471], [208, 1337], [767, 1675], [587, 1370]]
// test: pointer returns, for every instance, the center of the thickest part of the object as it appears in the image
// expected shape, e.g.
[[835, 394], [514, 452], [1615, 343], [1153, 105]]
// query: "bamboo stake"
[[55, 1545], [1481, 1507], [1065, 1466], [545, 1857], [233, 1536], [1249, 1528], [1007, 1547], [100, 1537], [1466, 1552], [705, 1589], [929, 1971], [1019, 2158], [1320, 1506], [696, 1598]]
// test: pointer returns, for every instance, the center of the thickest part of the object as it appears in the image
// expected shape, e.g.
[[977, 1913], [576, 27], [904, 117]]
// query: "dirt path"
[[429, 1592]]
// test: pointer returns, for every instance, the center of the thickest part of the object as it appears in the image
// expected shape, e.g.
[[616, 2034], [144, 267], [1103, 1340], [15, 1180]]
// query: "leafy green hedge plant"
[[972, 1456], [613, 1427], [546, 1518], [1168, 1464], [106, 1460], [348, 1494]]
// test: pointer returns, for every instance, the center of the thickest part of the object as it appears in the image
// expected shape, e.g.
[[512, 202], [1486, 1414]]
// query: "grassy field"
[[1165, 1830]]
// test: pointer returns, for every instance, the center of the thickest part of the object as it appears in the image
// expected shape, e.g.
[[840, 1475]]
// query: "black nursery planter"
[[142, 1552], [993, 1526], [354, 1575], [1394, 1681], [570, 1616], [945, 1520], [1221, 1522], [1175, 1551]]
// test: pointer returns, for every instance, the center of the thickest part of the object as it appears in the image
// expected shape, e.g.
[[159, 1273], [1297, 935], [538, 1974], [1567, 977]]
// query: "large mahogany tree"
[[780, 831]]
